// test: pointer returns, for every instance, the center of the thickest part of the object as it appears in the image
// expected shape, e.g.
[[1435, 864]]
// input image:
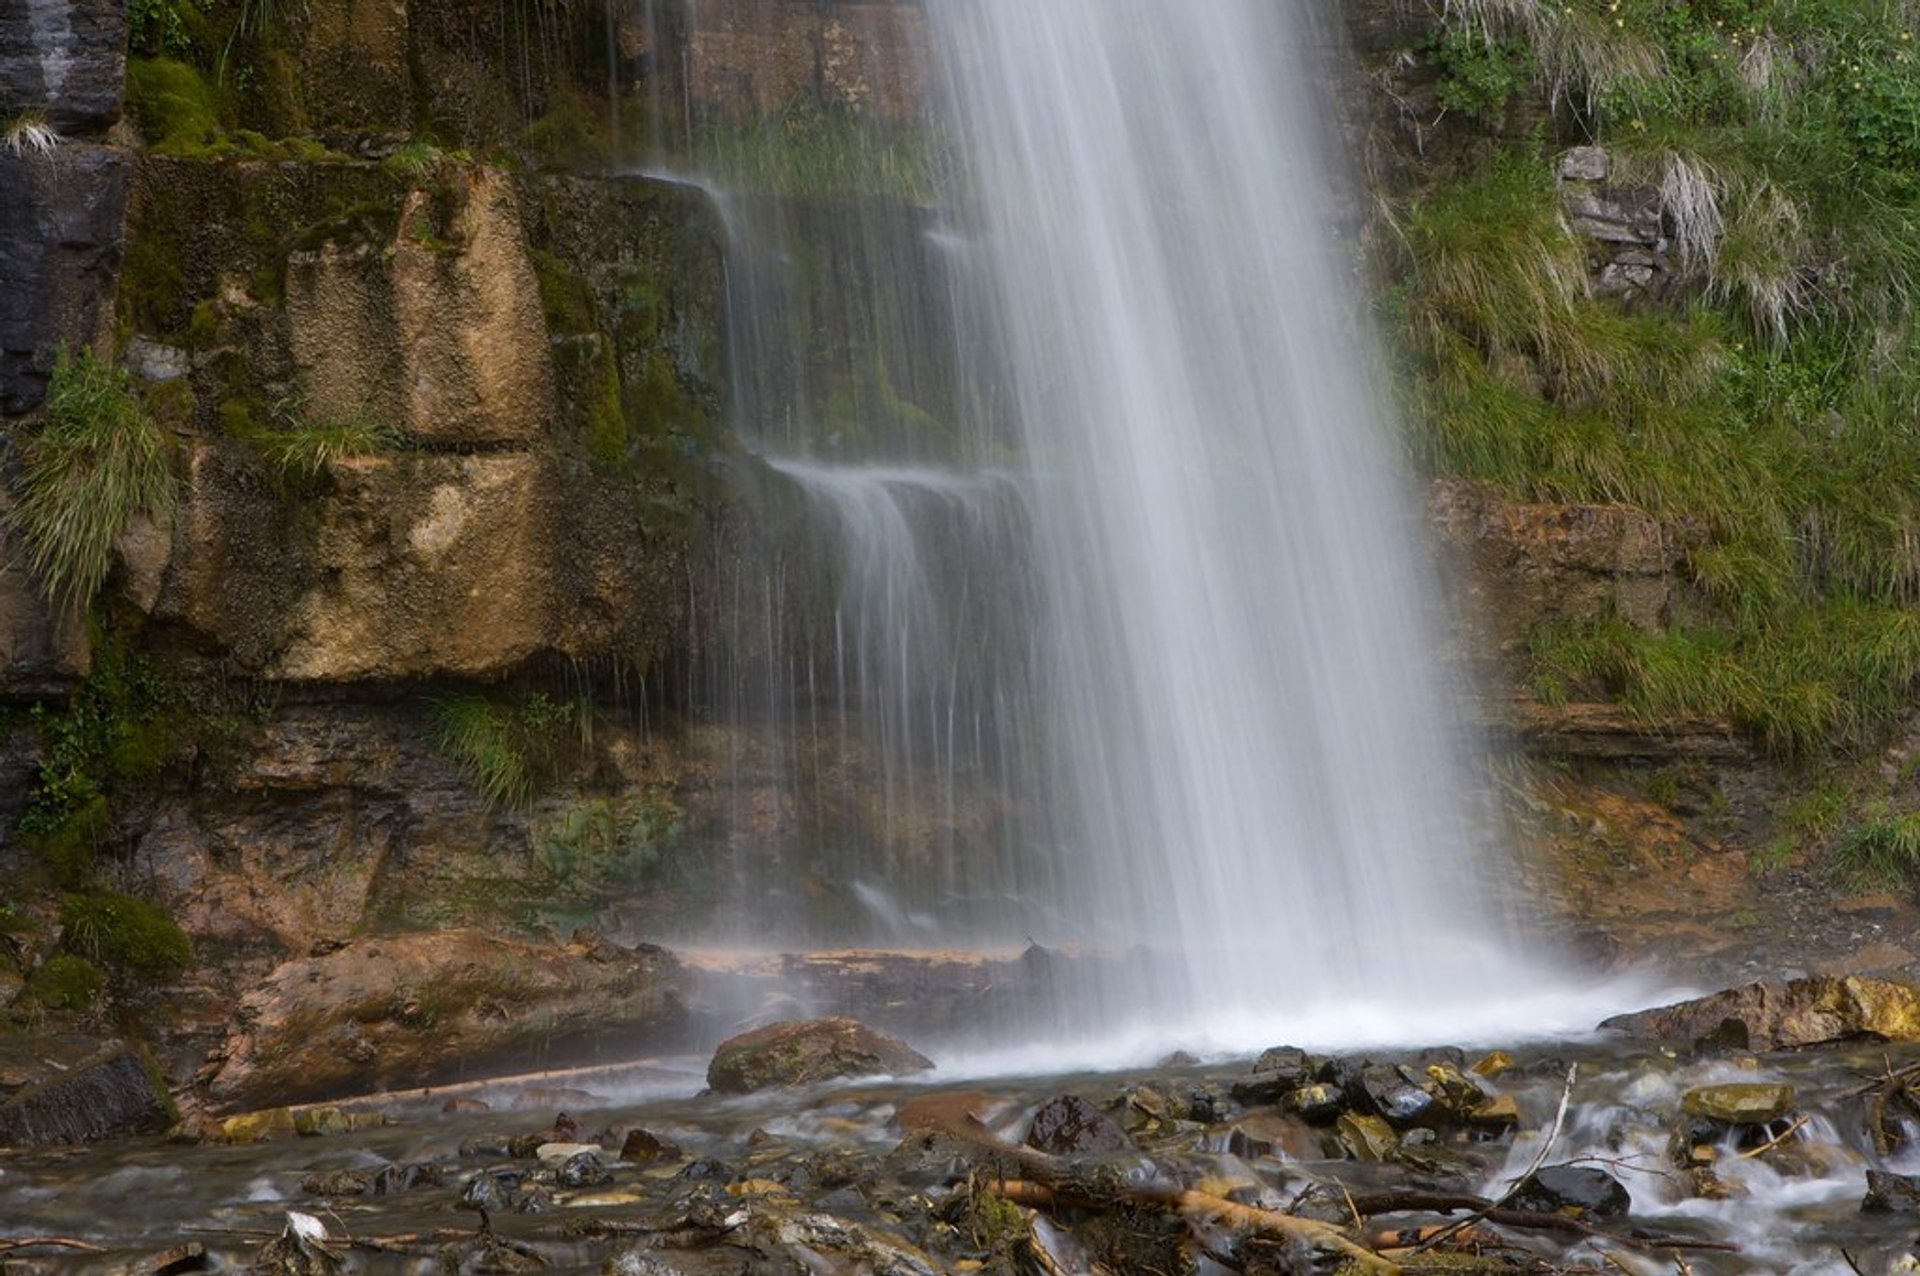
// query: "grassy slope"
[[1772, 408]]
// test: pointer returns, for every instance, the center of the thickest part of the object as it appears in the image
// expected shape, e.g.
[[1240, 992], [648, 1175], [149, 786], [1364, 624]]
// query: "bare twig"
[[1540, 1158]]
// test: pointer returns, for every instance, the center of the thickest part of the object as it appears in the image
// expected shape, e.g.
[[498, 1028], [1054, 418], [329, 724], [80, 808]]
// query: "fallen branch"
[[1491, 1212], [1774, 1142], [47, 1242], [1202, 1207]]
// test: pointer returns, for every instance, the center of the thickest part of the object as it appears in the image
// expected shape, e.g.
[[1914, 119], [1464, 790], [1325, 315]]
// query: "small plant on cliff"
[[97, 460], [307, 448], [126, 933], [511, 752], [1882, 852], [28, 133]]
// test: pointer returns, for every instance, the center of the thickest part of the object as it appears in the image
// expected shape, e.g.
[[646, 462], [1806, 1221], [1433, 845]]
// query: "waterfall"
[[1131, 553], [1249, 746]]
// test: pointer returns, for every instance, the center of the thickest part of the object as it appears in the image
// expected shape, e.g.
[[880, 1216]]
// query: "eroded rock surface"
[[411, 1010]]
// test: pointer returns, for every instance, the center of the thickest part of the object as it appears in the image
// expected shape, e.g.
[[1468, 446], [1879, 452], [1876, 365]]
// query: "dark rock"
[[1179, 1059], [491, 1191], [1320, 1103], [1891, 1193], [583, 1169], [1070, 1126], [643, 1147], [61, 237], [1572, 1189], [706, 1169], [523, 1147], [803, 1052], [1775, 1015], [1393, 1094], [66, 58], [111, 1093]]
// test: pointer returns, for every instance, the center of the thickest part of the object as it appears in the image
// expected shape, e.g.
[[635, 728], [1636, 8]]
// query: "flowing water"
[[1793, 1207], [1110, 495]]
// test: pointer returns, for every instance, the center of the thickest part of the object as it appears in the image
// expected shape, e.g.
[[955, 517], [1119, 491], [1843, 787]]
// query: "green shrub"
[[125, 933], [176, 107], [67, 982], [95, 462]]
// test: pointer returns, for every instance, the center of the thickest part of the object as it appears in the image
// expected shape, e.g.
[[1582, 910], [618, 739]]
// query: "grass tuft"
[[1882, 852], [96, 461]]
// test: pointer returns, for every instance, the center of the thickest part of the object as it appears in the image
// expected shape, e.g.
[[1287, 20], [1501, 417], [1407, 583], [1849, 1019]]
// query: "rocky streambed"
[[1774, 1128]]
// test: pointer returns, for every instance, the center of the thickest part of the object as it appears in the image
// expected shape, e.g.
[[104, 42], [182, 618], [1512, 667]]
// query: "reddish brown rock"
[[806, 1051], [1785, 1015]]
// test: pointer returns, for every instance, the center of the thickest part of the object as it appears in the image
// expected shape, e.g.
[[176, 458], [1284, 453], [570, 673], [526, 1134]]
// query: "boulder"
[[1774, 1015], [1891, 1193], [1070, 1126], [1746, 1103], [106, 1093], [434, 1007], [807, 1051], [1572, 1189]]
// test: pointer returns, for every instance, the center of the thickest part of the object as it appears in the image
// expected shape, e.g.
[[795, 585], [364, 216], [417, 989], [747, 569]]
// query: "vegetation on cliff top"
[[1767, 406]]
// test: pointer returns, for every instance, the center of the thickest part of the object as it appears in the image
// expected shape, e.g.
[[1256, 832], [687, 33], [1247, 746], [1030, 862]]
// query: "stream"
[[826, 1180]]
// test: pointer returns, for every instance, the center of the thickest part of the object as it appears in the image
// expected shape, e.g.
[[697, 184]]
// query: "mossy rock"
[[67, 982]]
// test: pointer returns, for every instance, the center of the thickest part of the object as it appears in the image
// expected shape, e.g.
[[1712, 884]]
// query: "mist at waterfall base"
[[1146, 575]]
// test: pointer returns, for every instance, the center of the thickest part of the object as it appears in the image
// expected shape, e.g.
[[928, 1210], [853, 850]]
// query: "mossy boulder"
[[806, 1052]]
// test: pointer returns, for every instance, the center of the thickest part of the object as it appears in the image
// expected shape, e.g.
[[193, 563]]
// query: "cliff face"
[[461, 562]]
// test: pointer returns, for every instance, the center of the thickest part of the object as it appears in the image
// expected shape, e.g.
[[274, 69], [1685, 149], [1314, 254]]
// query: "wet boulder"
[[1393, 1094], [1891, 1193], [808, 1051], [1320, 1103], [1581, 1190], [644, 1147], [582, 1169], [1745, 1103], [1784, 1015], [1070, 1126]]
